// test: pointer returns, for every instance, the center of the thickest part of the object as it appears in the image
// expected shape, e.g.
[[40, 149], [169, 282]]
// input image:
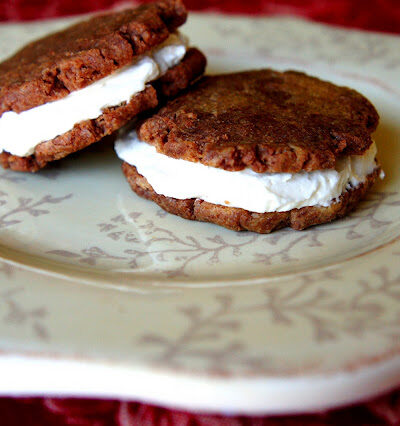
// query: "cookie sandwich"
[[258, 151], [69, 89]]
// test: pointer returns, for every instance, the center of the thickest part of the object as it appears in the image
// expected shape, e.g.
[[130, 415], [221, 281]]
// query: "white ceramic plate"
[[104, 294]]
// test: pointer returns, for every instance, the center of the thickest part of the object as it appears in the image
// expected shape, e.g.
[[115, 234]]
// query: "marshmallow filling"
[[246, 189]]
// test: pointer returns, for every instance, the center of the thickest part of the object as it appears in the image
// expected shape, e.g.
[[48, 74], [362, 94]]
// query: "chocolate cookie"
[[258, 150], [52, 67], [77, 60], [87, 132], [266, 120]]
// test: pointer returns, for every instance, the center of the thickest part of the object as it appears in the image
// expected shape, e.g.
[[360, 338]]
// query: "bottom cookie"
[[239, 219]]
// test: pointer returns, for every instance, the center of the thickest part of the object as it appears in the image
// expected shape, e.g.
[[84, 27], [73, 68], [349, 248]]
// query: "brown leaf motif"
[[205, 327], [367, 214], [166, 246], [91, 255], [212, 334], [326, 45], [144, 241], [27, 206], [15, 314]]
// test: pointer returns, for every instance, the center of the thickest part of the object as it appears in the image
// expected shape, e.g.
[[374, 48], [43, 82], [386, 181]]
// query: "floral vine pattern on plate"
[[91, 255], [363, 49], [8, 176], [305, 302], [367, 213], [51, 173], [142, 240], [14, 313], [172, 248], [208, 327], [358, 314], [184, 250], [29, 206]]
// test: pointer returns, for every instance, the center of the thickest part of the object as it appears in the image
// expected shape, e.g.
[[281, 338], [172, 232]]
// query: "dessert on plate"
[[69, 89], [257, 150]]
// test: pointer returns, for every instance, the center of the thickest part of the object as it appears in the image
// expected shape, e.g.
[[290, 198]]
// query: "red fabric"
[[379, 15], [62, 412]]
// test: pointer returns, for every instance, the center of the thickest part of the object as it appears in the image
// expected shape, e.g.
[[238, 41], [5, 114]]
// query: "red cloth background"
[[378, 15], [62, 412]]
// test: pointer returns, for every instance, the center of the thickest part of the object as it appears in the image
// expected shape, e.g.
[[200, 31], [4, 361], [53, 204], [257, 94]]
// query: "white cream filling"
[[246, 189], [21, 133]]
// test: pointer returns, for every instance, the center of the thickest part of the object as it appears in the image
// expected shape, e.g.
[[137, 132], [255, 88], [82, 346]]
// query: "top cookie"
[[52, 67], [266, 120]]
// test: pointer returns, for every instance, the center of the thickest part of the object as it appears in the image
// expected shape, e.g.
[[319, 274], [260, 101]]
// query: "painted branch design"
[[29, 206], [16, 315], [323, 314]]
